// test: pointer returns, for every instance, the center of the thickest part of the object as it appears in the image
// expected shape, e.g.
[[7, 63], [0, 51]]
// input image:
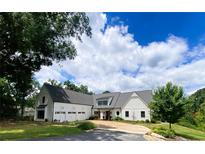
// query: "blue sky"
[[136, 51], [149, 27]]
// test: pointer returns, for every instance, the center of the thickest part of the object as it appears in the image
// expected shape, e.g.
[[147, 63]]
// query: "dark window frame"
[[127, 114], [117, 113], [41, 114], [142, 114], [43, 99]]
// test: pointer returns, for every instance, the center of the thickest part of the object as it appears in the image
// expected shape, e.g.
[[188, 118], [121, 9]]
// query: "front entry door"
[[107, 117]]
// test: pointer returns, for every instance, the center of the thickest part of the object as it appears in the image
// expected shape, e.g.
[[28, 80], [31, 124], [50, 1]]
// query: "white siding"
[[48, 102], [135, 105], [70, 112]]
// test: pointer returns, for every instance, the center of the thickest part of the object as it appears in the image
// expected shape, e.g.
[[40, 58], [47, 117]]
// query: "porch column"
[[101, 115]]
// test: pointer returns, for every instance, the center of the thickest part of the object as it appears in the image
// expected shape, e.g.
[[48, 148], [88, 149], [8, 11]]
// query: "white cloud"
[[113, 60]]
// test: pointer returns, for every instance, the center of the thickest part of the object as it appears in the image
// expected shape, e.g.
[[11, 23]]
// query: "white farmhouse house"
[[58, 104]]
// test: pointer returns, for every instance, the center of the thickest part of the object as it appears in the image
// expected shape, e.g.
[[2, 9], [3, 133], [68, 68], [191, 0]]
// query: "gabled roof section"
[[123, 98], [57, 94], [118, 99], [145, 95], [68, 96], [113, 95], [79, 98]]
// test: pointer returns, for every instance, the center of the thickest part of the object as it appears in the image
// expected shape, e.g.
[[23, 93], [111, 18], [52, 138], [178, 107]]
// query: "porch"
[[103, 114]]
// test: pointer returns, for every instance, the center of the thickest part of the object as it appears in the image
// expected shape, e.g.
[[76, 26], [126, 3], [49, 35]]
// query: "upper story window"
[[43, 99], [102, 102]]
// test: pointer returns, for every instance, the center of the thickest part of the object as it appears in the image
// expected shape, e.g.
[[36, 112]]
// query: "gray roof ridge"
[[67, 89]]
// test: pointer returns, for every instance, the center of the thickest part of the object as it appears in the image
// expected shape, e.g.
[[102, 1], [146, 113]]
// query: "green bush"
[[86, 125], [118, 119], [168, 133], [147, 121], [153, 121]]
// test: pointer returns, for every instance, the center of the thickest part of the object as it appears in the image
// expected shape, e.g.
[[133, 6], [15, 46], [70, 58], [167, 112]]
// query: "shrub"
[[147, 120], [118, 119], [86, 125], [153, 121], [93, 117], [168, 133]]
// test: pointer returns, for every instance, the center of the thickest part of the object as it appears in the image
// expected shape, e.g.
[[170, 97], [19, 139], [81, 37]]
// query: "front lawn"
[[179, 130], [27, 130], [182, 131]]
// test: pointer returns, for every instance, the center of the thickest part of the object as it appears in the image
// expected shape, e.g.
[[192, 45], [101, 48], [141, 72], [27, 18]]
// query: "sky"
[[136, 51]]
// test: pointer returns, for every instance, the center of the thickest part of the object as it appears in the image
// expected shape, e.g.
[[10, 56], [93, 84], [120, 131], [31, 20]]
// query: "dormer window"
[[102, 102], [43, 99]]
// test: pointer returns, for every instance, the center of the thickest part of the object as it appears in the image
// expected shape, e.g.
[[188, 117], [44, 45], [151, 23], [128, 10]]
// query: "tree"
[[167, 104], [82, 88], [30, 40], [7, 99], [54, 83], [105, 92]]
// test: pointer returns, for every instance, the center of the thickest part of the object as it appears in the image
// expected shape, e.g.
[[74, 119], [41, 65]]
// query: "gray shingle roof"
[[118, 99], [68, 96]]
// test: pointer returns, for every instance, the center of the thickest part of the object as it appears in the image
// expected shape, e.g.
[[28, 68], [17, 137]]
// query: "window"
[[83, 112], [103, 102], [96, 112], [79, 112], [40, 115], [126, 113], [117, 113], [43, 99], [73, 112], [57, 112], [69, 112], [142, 114]]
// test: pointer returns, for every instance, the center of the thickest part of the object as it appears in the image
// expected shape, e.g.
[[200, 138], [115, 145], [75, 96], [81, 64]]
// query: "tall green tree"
[[30, 40], [167, 104]]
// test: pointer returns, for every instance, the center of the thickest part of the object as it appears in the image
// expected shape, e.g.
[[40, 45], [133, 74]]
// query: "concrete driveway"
[[97, 135], [120, 126], [145, 132]]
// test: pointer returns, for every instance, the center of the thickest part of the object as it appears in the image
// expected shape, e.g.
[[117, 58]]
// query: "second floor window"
[[102, 102], [43, 99]]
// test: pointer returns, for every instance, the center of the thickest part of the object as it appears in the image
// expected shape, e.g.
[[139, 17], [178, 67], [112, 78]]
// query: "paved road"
[[98, 135]]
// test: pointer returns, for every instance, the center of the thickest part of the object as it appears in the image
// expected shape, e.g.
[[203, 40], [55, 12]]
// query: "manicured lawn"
[[179, 130], [27, 130], [182, 131]]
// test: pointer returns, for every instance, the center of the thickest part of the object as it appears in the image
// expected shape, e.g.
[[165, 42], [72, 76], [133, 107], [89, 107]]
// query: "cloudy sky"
[[136, 51]]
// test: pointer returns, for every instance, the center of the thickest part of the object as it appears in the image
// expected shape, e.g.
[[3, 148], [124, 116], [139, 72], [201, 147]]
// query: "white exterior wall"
[[114, 114], [135, 105], [48, 101], [64, 107]]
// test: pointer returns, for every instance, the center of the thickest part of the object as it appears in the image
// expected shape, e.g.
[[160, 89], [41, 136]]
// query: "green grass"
[[179, 130], [189, 133], [28, 130]]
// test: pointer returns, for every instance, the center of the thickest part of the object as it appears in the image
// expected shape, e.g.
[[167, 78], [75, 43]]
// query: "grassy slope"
[[180, 130], [28, 130]]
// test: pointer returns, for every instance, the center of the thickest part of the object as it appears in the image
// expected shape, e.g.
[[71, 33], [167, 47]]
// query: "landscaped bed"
[[179, 130], [27, 129]]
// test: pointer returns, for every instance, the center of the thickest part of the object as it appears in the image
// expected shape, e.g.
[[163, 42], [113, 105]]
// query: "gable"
[[135, 102]]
